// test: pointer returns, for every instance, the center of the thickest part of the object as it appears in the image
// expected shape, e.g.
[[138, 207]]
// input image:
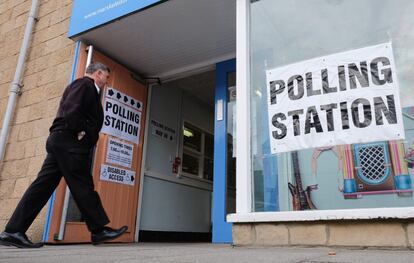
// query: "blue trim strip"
[[49, 212], [87, 15], [75, 61], [222, 231]]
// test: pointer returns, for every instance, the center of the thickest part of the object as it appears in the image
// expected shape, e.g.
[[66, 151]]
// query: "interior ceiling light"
[[188, 133]]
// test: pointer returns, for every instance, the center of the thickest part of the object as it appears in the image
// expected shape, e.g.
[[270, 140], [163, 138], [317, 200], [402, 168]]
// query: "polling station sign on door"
[[122, 116], [344, 98], [122, 122]]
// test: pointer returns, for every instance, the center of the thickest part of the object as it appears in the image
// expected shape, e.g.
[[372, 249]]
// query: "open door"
[[224, 186], [117, 157]]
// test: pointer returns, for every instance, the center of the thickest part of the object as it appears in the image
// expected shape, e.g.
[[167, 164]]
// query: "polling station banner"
[[344, 98], [122, 116]]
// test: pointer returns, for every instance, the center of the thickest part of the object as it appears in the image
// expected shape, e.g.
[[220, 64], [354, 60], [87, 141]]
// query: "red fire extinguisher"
[[176, 165]]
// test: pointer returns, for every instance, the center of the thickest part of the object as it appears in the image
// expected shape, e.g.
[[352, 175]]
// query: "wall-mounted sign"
[[117, 175], [122, 116], [89, 14], [344, 98], [162, 131], [119, 152]]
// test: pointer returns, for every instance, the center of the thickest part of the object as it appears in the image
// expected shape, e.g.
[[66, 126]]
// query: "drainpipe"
[[16, 85]]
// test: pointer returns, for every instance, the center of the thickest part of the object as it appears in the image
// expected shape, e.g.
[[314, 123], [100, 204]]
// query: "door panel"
[[59, 200], [119, 200]]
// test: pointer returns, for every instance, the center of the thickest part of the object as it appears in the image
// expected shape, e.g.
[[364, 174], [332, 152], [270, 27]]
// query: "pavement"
[[200, 253]]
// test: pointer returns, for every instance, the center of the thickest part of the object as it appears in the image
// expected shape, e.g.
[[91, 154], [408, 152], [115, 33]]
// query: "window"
[[369, 174], [198, 152]]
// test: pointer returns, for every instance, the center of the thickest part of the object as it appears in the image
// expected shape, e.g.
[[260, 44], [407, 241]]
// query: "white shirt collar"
[[97, 88]]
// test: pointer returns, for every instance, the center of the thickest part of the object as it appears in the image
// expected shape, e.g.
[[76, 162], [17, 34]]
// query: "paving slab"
[[199, 253]]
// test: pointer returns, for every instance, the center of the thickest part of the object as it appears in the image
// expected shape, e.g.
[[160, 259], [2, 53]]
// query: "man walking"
[[73, 134]]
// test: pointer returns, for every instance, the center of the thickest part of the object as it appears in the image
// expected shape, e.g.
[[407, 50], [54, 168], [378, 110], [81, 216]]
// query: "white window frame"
[[196, 154], [244, 211], [243, 149]]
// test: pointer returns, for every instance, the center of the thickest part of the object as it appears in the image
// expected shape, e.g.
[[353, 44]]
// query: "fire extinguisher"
[[176, 165]]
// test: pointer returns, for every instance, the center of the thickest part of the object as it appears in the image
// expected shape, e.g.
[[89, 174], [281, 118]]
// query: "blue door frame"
[[222, 230]]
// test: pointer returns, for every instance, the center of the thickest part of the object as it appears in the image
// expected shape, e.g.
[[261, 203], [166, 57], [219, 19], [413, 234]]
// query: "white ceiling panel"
[[174, 36]]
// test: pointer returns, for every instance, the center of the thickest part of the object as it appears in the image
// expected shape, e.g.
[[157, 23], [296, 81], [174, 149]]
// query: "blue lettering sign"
[[89, 14]]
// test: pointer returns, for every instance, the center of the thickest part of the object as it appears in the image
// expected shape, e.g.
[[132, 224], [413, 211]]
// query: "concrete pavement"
[[200, 253]]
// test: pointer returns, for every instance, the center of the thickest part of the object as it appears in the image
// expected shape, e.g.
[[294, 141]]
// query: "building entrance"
[[177, 188], [179, 165], [117, 157]]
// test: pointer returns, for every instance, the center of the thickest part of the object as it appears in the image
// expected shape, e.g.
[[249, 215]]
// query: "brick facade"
[[47, 72], [362, 233]]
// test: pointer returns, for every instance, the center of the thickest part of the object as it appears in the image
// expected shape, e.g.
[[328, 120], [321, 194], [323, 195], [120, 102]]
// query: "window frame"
[[200, 155], [244, 197]]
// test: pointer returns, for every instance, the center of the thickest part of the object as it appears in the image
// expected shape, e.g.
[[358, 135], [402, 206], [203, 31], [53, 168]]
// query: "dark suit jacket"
[[80, 109]]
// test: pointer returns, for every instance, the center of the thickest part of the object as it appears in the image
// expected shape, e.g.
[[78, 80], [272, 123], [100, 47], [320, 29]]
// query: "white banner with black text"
[[344, 98]]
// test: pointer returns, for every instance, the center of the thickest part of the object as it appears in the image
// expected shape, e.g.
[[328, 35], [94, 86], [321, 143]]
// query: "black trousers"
[[70, 158]]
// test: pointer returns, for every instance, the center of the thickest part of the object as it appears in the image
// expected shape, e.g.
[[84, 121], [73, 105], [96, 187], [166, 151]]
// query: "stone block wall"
[[47, 72], [363, 233]]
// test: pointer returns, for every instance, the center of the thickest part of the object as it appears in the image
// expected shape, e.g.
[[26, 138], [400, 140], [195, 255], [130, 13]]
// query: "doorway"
[[188, 186], [178, 175], [190, 166], [117, 157]]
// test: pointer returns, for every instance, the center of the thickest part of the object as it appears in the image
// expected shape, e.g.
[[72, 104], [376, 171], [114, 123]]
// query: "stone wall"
[[364, 233], [47, 72]]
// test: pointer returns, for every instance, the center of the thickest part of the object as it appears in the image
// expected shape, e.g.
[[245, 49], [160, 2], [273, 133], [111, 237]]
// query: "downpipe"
[[16, 84]]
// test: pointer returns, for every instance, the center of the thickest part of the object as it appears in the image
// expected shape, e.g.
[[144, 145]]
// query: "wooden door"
[[118, 154]]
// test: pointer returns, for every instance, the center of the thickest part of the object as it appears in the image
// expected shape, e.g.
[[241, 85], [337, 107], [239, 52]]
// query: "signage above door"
[[90, 14]]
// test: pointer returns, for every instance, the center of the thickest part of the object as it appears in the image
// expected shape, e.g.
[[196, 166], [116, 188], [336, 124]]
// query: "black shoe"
[[107, 234], [19, 240]]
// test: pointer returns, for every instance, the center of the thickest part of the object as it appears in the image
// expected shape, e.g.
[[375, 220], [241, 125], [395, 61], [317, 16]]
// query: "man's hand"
[[81, 135]]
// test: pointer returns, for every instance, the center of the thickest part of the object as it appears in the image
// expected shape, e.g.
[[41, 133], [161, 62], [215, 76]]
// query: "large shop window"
[[198, 152], [332, 104]]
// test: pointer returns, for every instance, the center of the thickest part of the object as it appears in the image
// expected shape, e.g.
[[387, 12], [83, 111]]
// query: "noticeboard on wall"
[[89, 14]]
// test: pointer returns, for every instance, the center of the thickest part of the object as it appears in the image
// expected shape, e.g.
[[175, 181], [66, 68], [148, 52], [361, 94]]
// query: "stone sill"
[[318, 215]]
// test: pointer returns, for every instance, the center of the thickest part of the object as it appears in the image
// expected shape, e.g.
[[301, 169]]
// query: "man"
[[74, 132]]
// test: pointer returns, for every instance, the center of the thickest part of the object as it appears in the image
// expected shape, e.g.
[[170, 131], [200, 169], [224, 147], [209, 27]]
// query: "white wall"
[[174, 207], [172, 203]]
